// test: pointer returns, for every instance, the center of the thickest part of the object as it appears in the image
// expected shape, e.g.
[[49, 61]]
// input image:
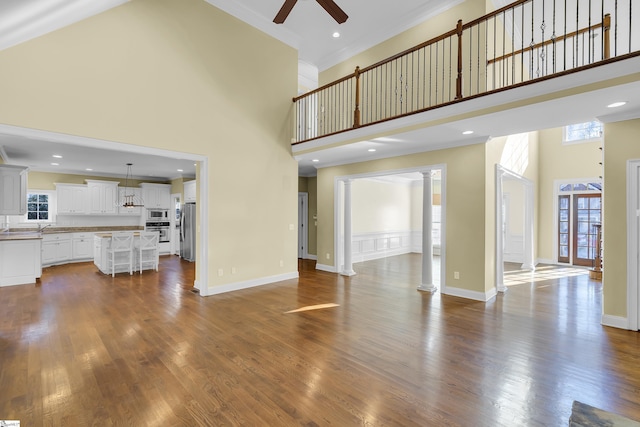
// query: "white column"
[[500, 287], [427, 236], [529, 263], [348, 264]]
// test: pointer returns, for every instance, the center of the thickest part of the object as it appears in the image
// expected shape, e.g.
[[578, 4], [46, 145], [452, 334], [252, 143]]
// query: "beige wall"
[[620, 144], [162, 73], [380, 206], [465, 215], [558, 162]]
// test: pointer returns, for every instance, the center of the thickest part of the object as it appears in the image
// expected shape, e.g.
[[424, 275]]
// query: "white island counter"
[[102, 260]]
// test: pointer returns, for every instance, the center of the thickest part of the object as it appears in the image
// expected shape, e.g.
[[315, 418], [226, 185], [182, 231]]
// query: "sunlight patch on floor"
[[313, 307], [541, 274]]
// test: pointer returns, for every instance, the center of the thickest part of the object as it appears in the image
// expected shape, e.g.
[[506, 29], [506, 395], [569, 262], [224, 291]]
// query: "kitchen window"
[[40, 206]]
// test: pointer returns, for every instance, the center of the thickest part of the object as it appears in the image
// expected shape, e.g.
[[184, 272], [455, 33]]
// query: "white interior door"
[[303, 212]]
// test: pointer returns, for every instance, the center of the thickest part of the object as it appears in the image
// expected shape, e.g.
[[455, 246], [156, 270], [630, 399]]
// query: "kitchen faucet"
[[41, 228]]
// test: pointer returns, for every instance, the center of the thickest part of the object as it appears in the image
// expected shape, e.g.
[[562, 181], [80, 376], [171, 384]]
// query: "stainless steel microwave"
[[157, 215]]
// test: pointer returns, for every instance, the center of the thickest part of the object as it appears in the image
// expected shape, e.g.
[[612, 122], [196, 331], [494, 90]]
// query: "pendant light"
[[129, 199]]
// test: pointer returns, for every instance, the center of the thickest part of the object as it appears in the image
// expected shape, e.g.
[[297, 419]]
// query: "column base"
[[348, 273], [501, 288], [528, 267], [428, 288]]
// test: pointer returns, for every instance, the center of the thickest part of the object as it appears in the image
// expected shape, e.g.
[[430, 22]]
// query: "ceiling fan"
[[329, 5]]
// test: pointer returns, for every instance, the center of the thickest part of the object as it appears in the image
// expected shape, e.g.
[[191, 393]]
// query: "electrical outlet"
[[233, 270], [281, 263], [291, 227], [328, 256], [220, 272], [456, 275]]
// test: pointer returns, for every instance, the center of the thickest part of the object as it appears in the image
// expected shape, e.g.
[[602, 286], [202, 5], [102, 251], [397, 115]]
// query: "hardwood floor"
[[80, 348]]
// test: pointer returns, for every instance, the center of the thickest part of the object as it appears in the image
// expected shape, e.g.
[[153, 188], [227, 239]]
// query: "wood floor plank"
[[82, 348]]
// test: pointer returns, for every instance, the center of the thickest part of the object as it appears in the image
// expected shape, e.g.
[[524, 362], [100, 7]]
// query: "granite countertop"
[[19, 235], [33, 233], [61, 229], [107, 235]]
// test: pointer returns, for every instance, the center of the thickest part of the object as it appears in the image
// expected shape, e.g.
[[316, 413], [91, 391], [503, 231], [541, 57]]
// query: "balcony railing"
[[524, 42]]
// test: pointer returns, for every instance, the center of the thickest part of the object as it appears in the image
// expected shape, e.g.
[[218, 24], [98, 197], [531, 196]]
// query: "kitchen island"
[[102, 259], [20, 261]]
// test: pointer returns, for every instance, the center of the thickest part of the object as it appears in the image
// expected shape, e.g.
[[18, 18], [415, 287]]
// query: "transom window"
[[37, 207], [583, 132]]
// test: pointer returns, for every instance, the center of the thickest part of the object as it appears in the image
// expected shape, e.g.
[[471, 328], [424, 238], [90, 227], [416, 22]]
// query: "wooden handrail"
[[557, 39], [494, 13], [321, 88]]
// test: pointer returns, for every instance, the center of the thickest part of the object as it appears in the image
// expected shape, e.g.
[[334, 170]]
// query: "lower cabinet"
[[82, 246], [56, 248]]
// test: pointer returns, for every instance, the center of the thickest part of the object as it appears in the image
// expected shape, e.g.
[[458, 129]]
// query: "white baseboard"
[[615, 321], [545, 261], [327, 268], [312, 257], [230, 287], [465, 293]]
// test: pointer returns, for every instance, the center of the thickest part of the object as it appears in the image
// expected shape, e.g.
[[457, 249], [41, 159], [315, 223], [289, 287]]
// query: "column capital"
[[428, 174]]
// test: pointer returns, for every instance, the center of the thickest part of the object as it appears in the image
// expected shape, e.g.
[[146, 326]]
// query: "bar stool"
[[148, 247], [121, 250]]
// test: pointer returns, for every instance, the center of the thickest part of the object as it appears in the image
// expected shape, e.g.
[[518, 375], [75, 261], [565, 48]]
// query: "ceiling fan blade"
[[334, 10], [284, 11]]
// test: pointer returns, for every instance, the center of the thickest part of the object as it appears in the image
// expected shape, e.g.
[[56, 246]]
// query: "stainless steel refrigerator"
[[188, 232]]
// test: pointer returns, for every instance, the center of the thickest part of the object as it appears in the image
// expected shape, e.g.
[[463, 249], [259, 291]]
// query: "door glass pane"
[[564, 227], [583, 252], [583, 215], [564, 251], [564, 203], [594, 217], [582, 240], [583, 227], [564, 239], [564, 215], [594, 203]]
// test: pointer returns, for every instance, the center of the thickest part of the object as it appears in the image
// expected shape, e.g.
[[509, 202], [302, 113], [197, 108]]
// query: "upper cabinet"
[[72, 199], [103, 197], [156, 196], [190, 191], [13, 182]]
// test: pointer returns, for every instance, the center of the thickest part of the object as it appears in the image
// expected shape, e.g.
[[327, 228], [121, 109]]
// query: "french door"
[[577, 235]]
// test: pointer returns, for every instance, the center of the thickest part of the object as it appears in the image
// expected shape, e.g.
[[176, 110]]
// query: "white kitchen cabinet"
[[103, 197], [190, 191], [82, 246], [13, 183], [56, 248], [137, 197], [156, 196], [72, 199]]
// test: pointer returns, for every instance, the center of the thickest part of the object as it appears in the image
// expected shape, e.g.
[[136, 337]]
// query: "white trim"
[[473, 295], [230, 287], [633, 204], [615, 321], [529, 262], [546, 261], [327, 268], [312, 257]]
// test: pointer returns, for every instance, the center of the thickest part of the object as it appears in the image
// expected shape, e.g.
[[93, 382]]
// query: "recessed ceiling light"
[[55, 164], [180, 170], [467, 132], [336, 35], [315, 160], [88, 169], [371, 150], [57, 156], [617, 104]]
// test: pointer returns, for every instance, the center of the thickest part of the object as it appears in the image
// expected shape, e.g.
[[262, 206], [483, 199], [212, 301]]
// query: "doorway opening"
[[385, 214]]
